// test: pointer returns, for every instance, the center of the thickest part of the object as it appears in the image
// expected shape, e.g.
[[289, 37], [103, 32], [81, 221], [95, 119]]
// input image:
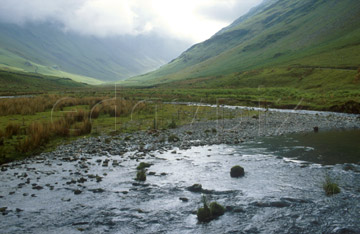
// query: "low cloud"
[[192, 20]]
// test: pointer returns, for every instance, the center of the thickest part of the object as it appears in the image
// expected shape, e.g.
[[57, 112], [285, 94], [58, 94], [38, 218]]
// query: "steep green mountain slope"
[[284, 34], [15, 82], [44, 48]]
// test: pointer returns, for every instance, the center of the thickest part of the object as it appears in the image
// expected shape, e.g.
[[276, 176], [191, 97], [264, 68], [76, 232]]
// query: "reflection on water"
[[328, 147]]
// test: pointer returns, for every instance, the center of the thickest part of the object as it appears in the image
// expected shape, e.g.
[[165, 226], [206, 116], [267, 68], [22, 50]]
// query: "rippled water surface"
[[277, 195]]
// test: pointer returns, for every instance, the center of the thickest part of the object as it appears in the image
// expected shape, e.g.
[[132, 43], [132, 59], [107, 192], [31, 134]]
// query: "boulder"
[[237, 171]]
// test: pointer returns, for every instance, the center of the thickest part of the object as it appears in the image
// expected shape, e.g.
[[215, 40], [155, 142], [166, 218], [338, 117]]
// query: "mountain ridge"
[[277, 33]]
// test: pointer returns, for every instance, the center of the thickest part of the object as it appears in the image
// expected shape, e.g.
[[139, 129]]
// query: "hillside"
[[17, 83], [289, 37], [46, 49]]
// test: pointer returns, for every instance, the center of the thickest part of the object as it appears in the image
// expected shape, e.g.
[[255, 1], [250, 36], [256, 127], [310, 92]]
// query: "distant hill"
[[44, 48], [306, 44]]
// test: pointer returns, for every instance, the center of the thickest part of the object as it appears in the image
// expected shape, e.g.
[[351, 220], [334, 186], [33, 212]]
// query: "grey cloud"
[[228, 10], [118, 17]]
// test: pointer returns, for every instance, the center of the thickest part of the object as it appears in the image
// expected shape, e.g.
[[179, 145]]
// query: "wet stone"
[[196, 188], [99, 190], [77, 192], [82, 180], [37, 187]]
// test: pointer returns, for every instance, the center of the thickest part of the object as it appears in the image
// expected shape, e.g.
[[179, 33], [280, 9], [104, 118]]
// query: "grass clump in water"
[[216, 209], [330, 187], [209, 212], [143, 165], [141, 175]]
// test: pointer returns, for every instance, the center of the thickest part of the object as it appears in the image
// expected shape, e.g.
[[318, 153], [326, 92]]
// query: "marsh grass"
[[58, 119], [12, 129], [141, 175], [209, 212], [330, 186]]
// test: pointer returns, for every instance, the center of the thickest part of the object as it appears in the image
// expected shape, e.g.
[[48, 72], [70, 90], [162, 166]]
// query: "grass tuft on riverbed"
[[330, 186]]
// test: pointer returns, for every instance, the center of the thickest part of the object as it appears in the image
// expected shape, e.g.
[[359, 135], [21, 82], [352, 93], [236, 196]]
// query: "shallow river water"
[[280, 193]]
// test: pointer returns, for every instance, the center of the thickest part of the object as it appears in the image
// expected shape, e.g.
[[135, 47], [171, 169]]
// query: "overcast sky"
[[192, 20]]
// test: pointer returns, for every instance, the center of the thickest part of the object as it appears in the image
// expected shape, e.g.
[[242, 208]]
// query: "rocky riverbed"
[[88, 185]]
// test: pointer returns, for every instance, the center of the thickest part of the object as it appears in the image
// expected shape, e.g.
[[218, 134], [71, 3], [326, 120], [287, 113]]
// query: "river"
[[280, 193]]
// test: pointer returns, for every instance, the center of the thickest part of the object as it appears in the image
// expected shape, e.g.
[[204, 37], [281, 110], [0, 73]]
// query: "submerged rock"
[[196, 188]]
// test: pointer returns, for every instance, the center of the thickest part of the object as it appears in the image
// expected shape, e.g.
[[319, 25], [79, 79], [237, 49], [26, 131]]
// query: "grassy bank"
[[32, 125]]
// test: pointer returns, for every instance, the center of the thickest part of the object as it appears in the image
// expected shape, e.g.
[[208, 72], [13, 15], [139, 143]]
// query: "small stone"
[[38, 187], [184, 199], [195, 188], [77, 192], [99, 190], [82, 180], [3, 209]]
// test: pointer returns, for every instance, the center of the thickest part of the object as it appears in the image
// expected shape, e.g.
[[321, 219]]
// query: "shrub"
[[330, 187], [172, 124], [1, 134], [94, 113], [83, 128], [12, 129], [24, 146], [61, 128], [141, 175], [237, 171], [80, 116], [38, 134]]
